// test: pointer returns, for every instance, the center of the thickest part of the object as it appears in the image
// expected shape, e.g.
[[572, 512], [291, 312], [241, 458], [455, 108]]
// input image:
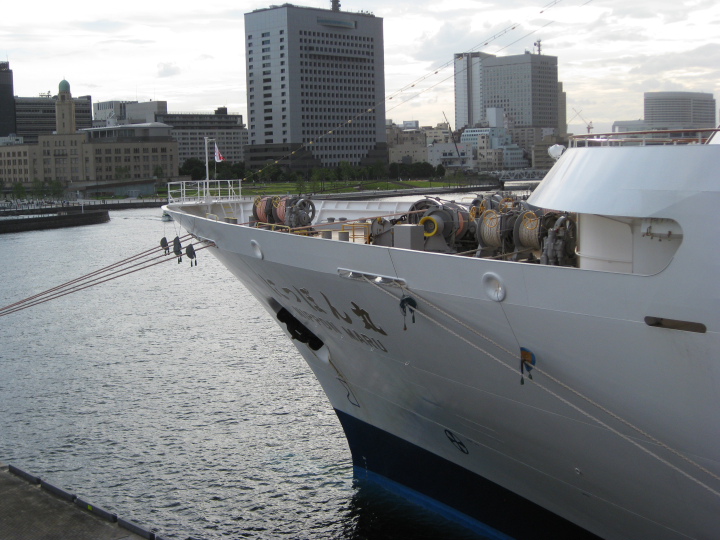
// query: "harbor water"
[[170, 397]]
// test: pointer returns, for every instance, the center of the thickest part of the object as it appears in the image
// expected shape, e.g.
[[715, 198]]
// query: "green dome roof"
[[64, 86]]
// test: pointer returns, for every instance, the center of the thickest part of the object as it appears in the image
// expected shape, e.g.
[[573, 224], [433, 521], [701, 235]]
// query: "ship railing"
[[644, 138], [359, 230], [204, 191], [282, 228]]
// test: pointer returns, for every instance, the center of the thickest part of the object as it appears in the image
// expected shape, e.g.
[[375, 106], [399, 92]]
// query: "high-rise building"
[[7, 100], [562, 111], [679, 110], [525, 86], [469, 103], [315, 87]]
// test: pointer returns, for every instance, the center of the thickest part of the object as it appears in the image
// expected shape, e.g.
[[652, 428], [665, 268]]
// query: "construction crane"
[[589, 125], [451, 135]]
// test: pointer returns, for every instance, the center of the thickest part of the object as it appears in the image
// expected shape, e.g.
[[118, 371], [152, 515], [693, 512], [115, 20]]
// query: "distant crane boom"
[[451, 135], [589, 125]]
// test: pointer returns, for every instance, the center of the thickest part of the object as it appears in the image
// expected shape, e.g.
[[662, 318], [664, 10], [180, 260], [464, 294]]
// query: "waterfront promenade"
[[16, 208]]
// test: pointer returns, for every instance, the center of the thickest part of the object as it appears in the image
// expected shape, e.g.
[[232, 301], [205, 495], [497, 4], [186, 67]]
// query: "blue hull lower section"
[[446, 488]]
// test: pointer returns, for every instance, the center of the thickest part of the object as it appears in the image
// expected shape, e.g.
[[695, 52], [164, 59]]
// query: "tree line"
[[345, 171], [39, 189]]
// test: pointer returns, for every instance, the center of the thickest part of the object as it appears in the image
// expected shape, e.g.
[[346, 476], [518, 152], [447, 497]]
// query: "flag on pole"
[[218, 156]]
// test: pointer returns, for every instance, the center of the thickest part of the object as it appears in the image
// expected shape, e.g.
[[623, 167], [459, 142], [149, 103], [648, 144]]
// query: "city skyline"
[[609, 53]]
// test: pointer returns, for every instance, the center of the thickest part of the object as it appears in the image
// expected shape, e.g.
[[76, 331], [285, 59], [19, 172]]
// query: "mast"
[[207, 166]]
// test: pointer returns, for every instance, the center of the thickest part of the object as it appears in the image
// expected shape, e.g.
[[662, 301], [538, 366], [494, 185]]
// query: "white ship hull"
[[617, 432]]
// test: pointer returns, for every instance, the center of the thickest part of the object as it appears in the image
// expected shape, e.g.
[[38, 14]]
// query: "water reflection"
[[378, 514]]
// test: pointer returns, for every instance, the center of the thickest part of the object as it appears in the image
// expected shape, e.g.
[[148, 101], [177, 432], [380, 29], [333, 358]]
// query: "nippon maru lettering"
[[532, 367]]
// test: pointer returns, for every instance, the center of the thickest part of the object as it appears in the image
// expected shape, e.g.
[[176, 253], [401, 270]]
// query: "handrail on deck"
[[204, 191], [643, 138]]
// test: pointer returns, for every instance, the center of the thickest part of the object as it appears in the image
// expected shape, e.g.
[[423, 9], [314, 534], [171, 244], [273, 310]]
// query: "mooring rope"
[[67, 283], [134, 263], [559, 397]]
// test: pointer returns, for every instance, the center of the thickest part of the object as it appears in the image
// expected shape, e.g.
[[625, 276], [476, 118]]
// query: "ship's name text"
[[303, 296]]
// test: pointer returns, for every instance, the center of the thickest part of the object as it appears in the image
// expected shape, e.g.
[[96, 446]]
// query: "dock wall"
[[53, 221]]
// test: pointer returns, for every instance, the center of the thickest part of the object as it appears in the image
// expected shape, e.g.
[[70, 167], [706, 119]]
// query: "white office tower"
[[315, 87], [679, 110]]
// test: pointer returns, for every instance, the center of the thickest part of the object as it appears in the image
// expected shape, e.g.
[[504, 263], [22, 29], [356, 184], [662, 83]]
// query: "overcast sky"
[[191, 54]]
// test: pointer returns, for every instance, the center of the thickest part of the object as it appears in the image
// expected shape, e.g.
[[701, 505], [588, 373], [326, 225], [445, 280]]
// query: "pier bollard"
[[344, 236], [326, 234]]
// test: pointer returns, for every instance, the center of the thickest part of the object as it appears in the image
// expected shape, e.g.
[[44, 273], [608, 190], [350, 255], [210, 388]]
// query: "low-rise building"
[[406, 145], [486, 138], [453, 157], [109, 112], [541, 160], [11, 140], [189, 129], [408, 152], [14, 165], [624, 126], [115, 156], [438, 134], [493, 148]]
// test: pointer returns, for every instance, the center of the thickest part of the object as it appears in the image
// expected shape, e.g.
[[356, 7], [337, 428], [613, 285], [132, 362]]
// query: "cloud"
[[705, 57], [660, 85], [441, 46], [167, 69], [130, 41], [102, 25], [663, 11]]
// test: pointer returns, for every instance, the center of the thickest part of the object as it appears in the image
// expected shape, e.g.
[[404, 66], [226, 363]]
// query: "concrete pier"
[[53, 221], [31, 509]]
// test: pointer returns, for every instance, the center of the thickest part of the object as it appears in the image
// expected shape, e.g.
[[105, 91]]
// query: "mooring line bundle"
[[135, 263]]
